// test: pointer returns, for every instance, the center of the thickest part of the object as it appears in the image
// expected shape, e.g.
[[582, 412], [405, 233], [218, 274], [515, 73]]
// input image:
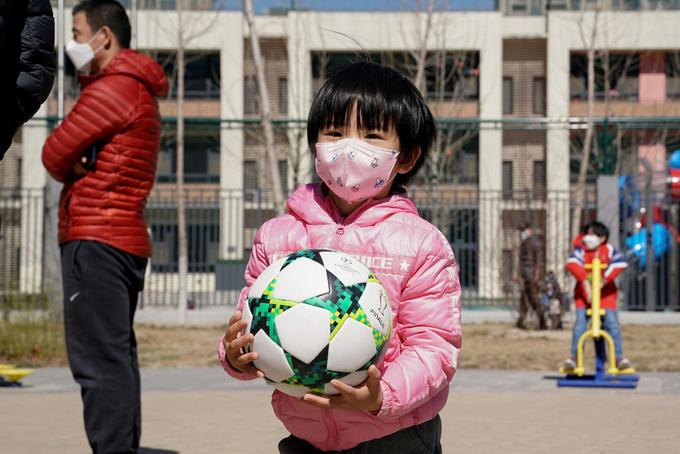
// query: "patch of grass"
[[501, 346], [485, 346], [32, 343]]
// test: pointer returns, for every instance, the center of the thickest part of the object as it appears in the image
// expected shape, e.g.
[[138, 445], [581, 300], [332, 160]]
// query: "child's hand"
[[588, 290], [234, 344], [367, 396]]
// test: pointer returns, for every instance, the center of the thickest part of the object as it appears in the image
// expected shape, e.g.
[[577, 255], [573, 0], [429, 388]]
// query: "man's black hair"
[[598, 229], [106, 12], [384, 99]]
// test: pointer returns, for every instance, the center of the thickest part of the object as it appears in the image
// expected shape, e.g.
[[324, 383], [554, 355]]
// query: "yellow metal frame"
[[596, 312]]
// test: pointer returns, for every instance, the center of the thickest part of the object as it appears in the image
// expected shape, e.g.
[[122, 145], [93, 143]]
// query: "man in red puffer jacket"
[[105, 153]]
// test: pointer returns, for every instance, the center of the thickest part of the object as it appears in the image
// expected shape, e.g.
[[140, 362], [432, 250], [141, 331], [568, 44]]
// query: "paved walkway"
[[201, 411]]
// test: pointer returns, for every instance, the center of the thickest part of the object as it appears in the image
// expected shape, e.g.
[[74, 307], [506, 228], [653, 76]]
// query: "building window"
[[202, 232], [249, 96], [250, 181], [283, 95], [507, 96], [539, 179], [622, 83], [201, 74], [449, 75], [507, 180], [538, 88], [283, 174], [201, 155]]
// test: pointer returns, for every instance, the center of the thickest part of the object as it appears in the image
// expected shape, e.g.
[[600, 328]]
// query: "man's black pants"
[[101, 286]]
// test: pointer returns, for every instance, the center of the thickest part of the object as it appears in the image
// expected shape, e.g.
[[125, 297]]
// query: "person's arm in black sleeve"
[[37, 63]]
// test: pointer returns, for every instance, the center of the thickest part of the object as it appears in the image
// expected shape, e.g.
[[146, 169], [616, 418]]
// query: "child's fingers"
[[323, 402], [373, 381], [235, 317], [247, 358], [343, 387], [240, 342], [234, 329]]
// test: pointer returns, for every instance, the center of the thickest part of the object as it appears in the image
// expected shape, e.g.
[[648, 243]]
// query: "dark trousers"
[[529, 301], [101, 285], [424, 438]]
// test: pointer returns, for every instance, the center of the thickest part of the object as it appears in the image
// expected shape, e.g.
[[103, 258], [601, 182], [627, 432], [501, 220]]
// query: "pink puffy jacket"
[[416, 266]]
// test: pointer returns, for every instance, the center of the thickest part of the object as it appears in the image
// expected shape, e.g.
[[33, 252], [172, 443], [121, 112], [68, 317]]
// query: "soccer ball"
[[317, 315]]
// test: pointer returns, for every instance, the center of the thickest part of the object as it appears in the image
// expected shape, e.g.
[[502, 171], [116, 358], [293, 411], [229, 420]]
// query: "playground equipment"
[[10, 376], [610, 377]]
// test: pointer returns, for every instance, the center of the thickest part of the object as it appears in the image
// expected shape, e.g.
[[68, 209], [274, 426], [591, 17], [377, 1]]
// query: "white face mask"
[[591, 241], [81, 54], [523, 235]]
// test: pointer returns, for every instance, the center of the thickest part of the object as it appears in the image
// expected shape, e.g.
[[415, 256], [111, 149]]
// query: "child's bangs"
[[372, 111]]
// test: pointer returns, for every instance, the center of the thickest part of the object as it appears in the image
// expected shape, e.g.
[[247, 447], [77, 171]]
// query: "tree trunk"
[[265, 109], [181, 209], [585, 158], [422, 52]]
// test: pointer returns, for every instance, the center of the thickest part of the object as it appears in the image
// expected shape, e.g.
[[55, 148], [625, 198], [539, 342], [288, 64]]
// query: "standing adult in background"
[[105, 153], [28, 63], [532, 273]]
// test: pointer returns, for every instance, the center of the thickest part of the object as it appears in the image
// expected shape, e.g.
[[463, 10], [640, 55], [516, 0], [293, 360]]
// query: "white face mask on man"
[[81, 54]]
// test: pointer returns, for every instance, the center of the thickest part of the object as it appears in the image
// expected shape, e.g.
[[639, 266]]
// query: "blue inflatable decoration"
[[674, 161], [637, 243]]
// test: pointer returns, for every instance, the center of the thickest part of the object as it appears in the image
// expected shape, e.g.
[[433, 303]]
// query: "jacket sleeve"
[[429, 327], [256, 264], [37, 62], [100, 111], [575, 264], [617, 263]]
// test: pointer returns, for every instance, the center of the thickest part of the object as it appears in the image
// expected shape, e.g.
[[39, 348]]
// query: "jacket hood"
[[139, 66], [311, 204]]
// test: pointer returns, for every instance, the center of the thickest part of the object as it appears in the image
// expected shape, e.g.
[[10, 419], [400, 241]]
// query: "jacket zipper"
[[67, 214]]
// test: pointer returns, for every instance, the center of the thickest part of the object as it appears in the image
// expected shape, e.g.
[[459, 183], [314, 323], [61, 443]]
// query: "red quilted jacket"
[[118, 114]]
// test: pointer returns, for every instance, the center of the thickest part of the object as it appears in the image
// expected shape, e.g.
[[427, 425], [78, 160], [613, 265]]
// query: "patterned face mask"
[[354, 169]]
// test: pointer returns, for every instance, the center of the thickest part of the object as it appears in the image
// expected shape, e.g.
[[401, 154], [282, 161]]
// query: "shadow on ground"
[[156, 451]]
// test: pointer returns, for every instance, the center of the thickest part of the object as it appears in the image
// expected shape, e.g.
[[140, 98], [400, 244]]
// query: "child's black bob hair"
[[384, 99], [598, 229]]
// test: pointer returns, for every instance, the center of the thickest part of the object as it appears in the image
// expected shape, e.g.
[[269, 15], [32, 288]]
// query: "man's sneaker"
[[623, 363], [569, 364]]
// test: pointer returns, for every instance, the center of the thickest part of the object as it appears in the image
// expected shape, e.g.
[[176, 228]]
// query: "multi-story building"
[[507, 84]]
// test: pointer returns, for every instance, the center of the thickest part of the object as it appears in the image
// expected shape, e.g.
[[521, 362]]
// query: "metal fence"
[[480, 226]]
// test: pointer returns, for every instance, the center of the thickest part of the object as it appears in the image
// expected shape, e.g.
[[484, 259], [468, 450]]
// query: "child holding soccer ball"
[[370, 131]]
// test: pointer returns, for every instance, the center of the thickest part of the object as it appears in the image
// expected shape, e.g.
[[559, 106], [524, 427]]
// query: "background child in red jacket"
[[594, 244]]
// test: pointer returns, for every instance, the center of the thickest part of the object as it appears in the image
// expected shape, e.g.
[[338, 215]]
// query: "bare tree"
[[587, 144], [183, 263], [421, 55], [265, 108]]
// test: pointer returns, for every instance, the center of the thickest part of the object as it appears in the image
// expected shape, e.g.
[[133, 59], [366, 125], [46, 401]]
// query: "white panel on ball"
[[352, 379], [263, 280], [292, 390], [376, 305], [272, 361], [303, 331], [303, 278], [349, 270], [351, 347]]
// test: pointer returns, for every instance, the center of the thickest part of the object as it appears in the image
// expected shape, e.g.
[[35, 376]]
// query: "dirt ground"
[[485, 346]]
